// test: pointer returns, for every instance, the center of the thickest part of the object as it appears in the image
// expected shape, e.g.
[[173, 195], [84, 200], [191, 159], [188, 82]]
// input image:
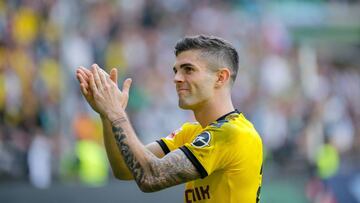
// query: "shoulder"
[[185, 129], [190, 125], [234, 127]]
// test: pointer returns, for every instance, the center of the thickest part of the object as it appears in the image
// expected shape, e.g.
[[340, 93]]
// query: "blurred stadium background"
[[299, 83]]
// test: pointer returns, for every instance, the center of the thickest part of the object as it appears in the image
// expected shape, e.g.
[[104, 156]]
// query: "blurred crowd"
[[302, 96]]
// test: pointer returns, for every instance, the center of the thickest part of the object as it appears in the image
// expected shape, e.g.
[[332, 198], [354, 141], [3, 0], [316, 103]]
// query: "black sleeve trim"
[[163, 146], [194, 161]]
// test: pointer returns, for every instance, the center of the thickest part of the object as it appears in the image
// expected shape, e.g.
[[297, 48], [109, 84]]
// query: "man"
[[219, 157]]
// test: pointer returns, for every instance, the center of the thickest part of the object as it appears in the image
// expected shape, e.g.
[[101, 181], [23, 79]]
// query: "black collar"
[[224, 116]]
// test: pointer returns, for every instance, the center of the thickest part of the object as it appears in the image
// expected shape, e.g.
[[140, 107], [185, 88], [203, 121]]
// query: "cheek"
[[206, 86], [209, 81], [201, 82]]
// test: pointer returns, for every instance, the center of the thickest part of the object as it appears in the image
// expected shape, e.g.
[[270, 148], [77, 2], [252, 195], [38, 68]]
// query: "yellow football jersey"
[[228, 155]]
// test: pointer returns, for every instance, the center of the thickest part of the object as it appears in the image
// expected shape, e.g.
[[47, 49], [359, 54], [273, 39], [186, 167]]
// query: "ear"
[[223, 77]]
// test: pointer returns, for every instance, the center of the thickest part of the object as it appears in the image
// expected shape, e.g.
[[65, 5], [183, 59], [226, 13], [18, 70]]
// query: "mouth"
[[181, 90]]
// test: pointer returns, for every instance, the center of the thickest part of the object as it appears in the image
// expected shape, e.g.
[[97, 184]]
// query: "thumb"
[[114, 75], [126, 86]]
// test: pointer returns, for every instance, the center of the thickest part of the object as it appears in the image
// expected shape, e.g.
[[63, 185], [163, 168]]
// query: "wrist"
[[117, 122], [116, 117]]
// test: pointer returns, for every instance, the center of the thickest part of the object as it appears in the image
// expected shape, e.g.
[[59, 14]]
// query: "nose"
[[178, 78]]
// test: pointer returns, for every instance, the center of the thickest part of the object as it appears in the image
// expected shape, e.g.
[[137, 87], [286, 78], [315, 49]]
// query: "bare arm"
[[150, 173], [117, 163], [118, 166]]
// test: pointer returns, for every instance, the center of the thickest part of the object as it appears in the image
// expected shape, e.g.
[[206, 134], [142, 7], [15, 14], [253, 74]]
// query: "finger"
[[102, 76], [114, 75], [81, 70], [82, 80], [103, 71], [77, 76], [83, 76], [84, 90], [86, 71], [92, 84], [112, 83], [126, 86], [95, 74], [82, 83]]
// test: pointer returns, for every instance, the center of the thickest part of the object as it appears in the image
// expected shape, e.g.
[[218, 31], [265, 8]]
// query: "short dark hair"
[[219, 49]]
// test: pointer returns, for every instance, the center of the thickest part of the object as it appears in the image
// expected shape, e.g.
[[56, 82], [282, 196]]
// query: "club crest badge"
[[202, 140]]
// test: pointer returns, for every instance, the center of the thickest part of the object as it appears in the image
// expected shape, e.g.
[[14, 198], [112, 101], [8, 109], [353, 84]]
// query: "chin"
[[185, 106]]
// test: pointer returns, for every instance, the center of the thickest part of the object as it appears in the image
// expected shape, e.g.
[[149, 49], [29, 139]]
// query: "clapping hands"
[[101, 91]]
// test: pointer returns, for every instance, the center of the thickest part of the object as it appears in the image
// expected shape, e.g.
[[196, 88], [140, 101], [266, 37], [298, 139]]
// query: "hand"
[[83, 76], [107, 97]]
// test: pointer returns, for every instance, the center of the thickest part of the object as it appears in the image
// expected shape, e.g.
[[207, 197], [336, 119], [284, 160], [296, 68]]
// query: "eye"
[[175, 71], [188, 69]]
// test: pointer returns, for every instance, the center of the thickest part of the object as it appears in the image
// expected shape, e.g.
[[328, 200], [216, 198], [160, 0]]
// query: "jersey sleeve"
[[174, 140], [211, 150]]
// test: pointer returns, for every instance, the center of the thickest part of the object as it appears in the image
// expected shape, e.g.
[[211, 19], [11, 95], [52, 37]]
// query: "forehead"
[[190, 57]]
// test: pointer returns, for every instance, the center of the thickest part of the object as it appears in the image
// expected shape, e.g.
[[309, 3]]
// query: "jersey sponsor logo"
[[197, 194], [202, 140]]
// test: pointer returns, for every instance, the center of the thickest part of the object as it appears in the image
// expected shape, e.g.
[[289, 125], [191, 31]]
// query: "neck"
[[211, 111]]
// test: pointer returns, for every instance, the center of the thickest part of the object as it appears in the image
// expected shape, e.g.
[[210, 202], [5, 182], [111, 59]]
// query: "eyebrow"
[[184, 65]]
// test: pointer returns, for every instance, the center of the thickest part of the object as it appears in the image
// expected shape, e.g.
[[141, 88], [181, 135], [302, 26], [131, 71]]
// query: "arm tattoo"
[[128, 155], [173, 169]]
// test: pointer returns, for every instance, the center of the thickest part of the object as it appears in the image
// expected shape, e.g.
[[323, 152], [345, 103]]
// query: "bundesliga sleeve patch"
[[173, 134], [202, 140]]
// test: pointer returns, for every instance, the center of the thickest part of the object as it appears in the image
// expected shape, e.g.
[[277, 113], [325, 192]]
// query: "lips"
[[180, 90]]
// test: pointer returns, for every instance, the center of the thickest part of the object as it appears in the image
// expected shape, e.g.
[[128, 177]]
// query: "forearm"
[[134, 153], [150, 173], [118, 166], [142, 163]]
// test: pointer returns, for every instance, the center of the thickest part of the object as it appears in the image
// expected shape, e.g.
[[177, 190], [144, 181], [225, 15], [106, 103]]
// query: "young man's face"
[[195, 82]]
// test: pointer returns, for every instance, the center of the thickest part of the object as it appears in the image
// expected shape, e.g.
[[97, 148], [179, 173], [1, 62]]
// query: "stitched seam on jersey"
[[194, 161], [163, 146]]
